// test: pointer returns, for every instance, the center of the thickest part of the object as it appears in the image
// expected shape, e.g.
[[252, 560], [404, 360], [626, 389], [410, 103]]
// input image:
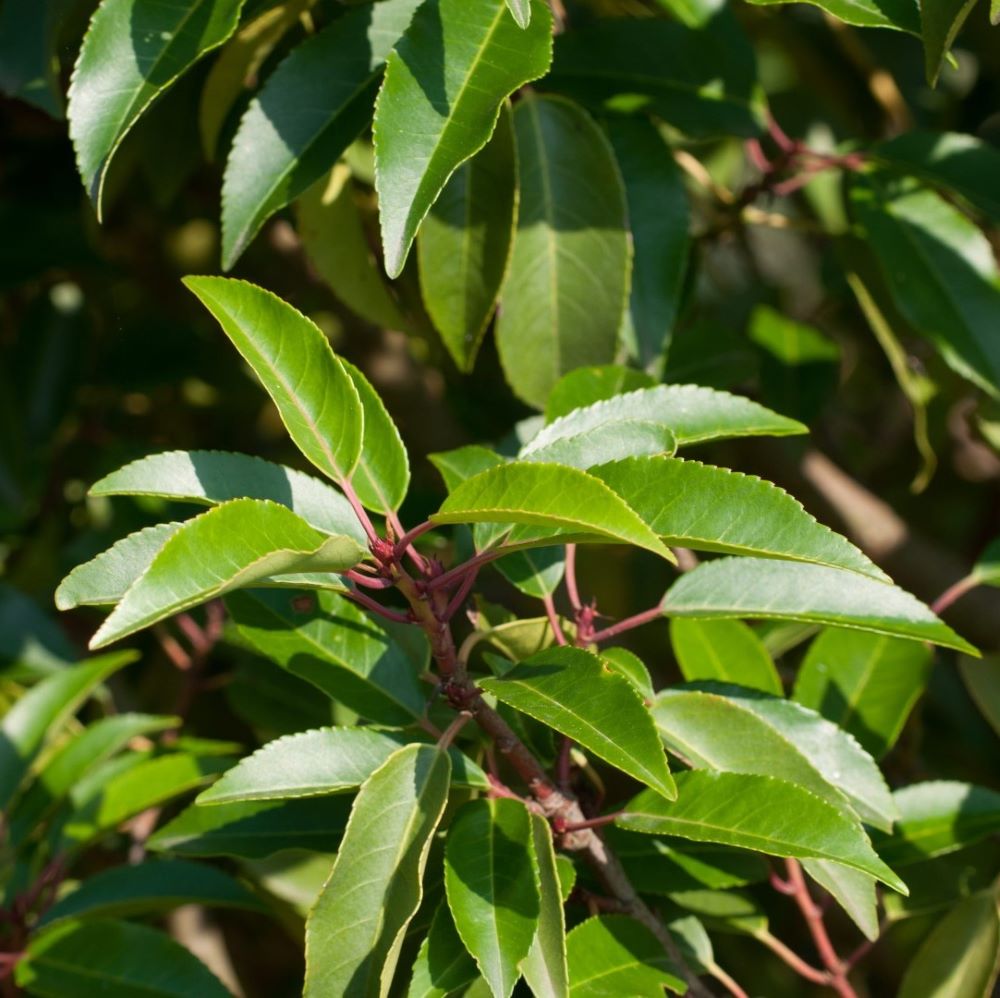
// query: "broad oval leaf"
[[235, 544], [444, 84], [759, 813], [788, 590], [304, 118], [557, 313], [572, 690], [133, 51], [443, 964], [699, 506], [492, 889], [356, 927], [544, 968], [725, 650], [315, 396]]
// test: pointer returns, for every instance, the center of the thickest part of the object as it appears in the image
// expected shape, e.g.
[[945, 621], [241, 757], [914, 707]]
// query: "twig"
[[458, 572], [726, 981], [461, 719], [628, 624], [550, 612], [572, 590], [792, 959], [954, 592], [383, 611], [359, 510], [461, 595]]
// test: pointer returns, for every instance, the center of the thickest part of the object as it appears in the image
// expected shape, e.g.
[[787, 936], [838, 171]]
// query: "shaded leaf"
[[544, 968], [982, 680], [725, 650], [586, 385], [940, 21], [853, 891], [903, 15], [443, 964]]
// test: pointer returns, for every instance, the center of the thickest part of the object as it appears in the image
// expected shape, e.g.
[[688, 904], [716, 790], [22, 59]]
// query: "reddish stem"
[[646, 617], [575, 826], [954, 592], [455, 574], [383, 611], [792, 959], [571, 587], [359, 510], [461, 595], [550, 612], [367, 581], [563, 764]]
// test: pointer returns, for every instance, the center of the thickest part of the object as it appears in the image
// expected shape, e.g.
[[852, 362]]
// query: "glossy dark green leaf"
[[356, 927], [572, 691], [444, 85], [133, 52], [492, 887], [866, 683], [443, 964], [544, 968], [586, 385], [940, 21], [556, 314], [28, 30], [304, 117], [765, 588], [724, 650], [464, 244]]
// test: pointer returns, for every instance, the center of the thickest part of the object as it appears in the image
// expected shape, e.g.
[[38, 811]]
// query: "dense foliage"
[[484, 652]]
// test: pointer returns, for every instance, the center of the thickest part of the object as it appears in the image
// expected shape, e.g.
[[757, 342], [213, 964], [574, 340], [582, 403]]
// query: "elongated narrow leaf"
[[572, 691], [114, 959], [616, 955], [557, 315], [133, 51], [903, 15], [658, 217], [760, 813], [724, 650], [443, 964], [866, 683], [544, 968], [329, 642], [315, 395], [786, 590], [692, 413], [356, 927], [233, 545], [940, 21], [492, 888], [712, 723], [305, 116], [464, 244], [324, 761], [209, 477], [939, 817], [611, 442], [43, 710], [853, 891], [698, 506], [444, 84], [586, 385], [551, 496]]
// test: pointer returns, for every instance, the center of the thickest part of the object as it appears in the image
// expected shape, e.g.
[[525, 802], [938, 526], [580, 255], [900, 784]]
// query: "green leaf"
[[544, 968], [319, 762], [788, 590], [982, 680], [939, 269], [712, 725], [726, 650], [464, 244], [760, 813], [43, 710], [658, 217], [254, 829], [443, 964], [133, 52], [854, 892], [236, 544], [866, 683], [296, 128], [903, 15], [713, 509], [156, 886], [556, 314], [212, 477], [30, 640], [572, 691], [939, 817], [986, 571], [536, 572], [940, 21], [28, 30], [521, 9], [604, 444], [587, 385], [725, 911], [551, 496], [702, 81], [693, 414], [960, 957], [444, 84], [615, 955], [356, 927], [316, 397], [329, 642], [490, 879], [113, 959], [629, 665]]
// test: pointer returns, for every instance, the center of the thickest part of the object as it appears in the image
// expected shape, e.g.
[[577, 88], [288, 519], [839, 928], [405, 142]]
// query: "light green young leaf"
[[319, 762], [698, 506], [114, 959], [356, 928], [233, 545], [982, 680], [209, 477], [903, 15], [572, 225], [544, 968], [492, 888], [940, 22], [788, 590], [586, 385], [854, 892], [572, 691], [320, 115], [443, 964], [132, 53], [315, 396], [726, 650], [444, 84], [759, 813], [616, 955], [866, 683], [464, 244]]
